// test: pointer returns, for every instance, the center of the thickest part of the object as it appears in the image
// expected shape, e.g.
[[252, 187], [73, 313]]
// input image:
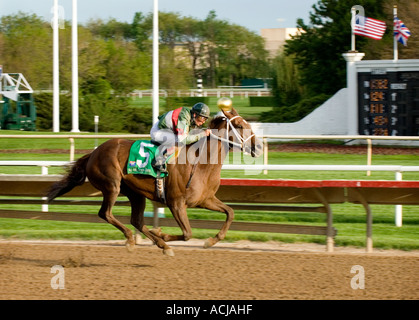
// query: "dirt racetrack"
[[106, 270]]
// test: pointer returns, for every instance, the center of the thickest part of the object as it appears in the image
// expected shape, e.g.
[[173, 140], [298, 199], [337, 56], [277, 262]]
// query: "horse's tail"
[[75, 177]]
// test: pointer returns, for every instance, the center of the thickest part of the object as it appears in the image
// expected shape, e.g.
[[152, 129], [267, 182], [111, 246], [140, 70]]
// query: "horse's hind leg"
[[178, 210], [105, 212], [137, 219]]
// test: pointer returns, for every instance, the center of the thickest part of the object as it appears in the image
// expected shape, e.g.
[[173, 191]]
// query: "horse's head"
[[238, 132]]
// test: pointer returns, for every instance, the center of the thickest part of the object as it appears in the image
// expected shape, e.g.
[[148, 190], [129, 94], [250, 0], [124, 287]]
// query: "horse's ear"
[[225, 112], [230, 113]]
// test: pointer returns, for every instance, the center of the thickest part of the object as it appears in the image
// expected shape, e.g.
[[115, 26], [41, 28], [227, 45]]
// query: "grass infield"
[[349, 219]]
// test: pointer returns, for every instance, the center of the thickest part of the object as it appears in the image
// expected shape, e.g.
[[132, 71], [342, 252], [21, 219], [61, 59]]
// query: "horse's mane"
[[216, 122], [219, 119]]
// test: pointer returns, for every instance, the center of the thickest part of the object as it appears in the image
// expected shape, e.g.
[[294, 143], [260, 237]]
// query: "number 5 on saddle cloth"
[[141, 157]]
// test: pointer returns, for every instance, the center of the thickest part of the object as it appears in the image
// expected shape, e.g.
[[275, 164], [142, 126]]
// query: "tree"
[[318, 49], [27, 48], [170, 29], [243, 55], [93, 55], [111, 29], [408, 12], [127, 68], [193, 38], [286, 87], [231, 52], [175, 73], [214, 41], [141, 30]]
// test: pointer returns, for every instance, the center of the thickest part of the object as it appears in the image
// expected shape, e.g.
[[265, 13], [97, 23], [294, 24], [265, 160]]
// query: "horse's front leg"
[[215, 204]]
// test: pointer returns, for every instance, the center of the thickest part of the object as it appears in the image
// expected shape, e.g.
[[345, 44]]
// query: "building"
[[275, 38]]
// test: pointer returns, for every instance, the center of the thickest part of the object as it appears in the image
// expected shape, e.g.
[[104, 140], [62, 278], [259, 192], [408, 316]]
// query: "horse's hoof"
[[138, 239], [169, 252], [130, 246], [209, 243]]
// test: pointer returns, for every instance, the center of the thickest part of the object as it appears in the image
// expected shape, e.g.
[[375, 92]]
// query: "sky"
[[252, 14]]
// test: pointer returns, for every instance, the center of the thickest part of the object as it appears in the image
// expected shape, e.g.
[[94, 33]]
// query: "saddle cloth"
[[141, 156]]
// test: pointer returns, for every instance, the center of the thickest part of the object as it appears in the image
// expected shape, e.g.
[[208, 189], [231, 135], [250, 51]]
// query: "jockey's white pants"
[[166, 138]]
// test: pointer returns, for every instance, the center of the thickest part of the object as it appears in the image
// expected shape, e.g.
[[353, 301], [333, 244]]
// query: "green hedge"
[[115, 114], [295, 112], [262, 101]]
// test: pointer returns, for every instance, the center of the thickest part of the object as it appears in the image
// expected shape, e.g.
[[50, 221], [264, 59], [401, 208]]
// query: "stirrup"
[[159, 165], [160, 189], [160, 168]]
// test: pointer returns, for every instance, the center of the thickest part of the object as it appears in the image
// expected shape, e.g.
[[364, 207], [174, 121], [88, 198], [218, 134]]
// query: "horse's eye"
[[239, 127]]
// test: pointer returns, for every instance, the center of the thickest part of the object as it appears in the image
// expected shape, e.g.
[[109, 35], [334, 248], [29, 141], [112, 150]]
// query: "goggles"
[[200, 118]]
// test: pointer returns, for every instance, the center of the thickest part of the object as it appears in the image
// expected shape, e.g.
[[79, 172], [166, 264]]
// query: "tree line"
[[116, 57], [119, 54]]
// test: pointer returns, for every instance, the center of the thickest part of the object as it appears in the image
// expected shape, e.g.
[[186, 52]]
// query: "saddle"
[[141, 157]]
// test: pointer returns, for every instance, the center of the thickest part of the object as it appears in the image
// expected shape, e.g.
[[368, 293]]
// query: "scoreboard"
[[388, 103]]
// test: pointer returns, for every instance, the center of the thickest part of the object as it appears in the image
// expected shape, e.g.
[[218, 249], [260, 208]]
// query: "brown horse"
[[190, 183]]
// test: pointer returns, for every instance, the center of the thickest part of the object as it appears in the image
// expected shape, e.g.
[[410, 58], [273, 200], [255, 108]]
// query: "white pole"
[[352, 85], [56, 87], [398, 208], [395, 47], [96, 119], [199, 86], [156, 83], [353, 11], [156, 61], [75, 70]]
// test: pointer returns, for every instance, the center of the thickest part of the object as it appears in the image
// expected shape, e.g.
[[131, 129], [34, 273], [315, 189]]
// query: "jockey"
[[174, 127]]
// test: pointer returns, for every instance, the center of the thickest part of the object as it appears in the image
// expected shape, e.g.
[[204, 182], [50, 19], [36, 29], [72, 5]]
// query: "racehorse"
[[189, 184]]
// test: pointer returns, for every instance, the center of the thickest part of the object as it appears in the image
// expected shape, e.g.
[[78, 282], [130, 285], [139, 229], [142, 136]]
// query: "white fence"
[[398, 170], [266, 138], [231, 92]]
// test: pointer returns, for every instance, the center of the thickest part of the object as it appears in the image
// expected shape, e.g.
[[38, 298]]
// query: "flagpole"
[[55, 72], [395, 47], [353, 11], [75, 69], [155, 61]]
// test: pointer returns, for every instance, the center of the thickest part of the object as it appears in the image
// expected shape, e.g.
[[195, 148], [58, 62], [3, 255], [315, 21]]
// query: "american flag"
[[369, 27], [400, 31]]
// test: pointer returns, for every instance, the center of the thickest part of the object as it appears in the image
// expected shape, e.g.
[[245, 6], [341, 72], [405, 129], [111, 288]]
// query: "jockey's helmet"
[[201, 109]]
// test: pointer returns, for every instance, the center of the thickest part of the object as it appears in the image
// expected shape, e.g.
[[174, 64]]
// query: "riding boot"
[[159, 163]]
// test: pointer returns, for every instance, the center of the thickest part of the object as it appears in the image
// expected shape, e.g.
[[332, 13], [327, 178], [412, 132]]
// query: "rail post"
[[369, 155], [44, 206], [398, 216], [72, 149], [265, 153]]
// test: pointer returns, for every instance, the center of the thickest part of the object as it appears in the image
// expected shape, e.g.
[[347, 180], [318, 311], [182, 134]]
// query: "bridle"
[[237, 135], [241, 140]]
